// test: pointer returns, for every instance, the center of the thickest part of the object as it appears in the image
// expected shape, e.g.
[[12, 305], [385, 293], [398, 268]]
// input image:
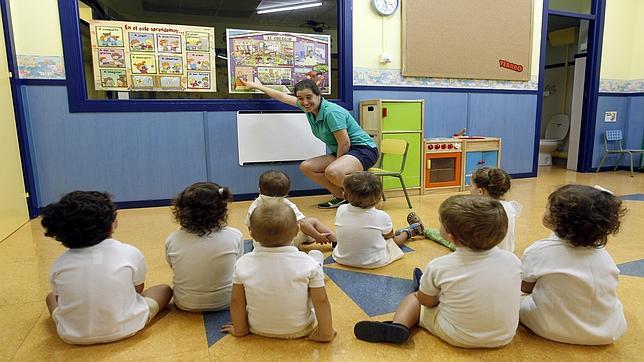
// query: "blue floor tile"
[[632, 268], [374, 294], [248, 246], [633, 197], [213, 322]]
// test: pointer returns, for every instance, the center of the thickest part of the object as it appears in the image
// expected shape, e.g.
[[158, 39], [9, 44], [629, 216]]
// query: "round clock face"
[[385, 7]]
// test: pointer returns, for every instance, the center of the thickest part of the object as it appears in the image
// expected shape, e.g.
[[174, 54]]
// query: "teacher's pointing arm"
[[276, 95]]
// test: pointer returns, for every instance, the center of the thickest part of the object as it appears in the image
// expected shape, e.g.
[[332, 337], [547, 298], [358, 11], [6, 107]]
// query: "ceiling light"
[[287, 8]]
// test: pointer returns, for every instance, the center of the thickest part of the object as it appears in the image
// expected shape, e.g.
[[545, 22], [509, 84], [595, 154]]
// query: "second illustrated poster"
[[277, 60]]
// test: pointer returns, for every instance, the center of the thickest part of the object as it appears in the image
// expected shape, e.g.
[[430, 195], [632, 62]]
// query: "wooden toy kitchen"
[[432, 164]]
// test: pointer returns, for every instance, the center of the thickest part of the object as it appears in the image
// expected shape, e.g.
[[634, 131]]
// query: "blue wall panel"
[[134, 156], [223, 159], [606, 104], [635, 124], [445, 113], [510, 117]]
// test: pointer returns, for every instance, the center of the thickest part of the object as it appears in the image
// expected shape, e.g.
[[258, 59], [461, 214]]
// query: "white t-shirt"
[[203, 267], [277, 281], [513, 211], [360, 236], [574, 299], [479, 294], [97, 302], [298, 214]]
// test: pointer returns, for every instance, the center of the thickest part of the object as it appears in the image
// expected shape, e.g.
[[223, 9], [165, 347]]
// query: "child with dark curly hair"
[[571, 278], [97, 285], [202, 254], [495, 183]]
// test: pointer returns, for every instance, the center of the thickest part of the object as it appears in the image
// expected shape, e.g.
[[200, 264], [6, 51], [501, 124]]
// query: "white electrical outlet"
[[385, 58]]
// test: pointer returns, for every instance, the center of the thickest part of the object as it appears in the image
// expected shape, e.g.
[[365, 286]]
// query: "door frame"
[[591, 86], [19, 112]]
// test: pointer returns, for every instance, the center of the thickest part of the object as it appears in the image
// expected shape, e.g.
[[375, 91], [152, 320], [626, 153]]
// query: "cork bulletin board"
[[474, 39]]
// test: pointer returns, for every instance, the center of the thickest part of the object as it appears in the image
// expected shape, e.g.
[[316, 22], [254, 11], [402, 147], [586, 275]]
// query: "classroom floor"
[[28, 333]]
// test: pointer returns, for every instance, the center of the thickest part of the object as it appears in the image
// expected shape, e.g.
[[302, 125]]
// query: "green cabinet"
[[397, 119]]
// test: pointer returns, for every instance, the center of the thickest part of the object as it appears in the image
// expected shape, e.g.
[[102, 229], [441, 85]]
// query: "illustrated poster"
[[277, 60], [129, 56]]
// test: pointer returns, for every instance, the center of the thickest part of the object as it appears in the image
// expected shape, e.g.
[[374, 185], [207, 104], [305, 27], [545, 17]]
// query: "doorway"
[[571, 40], [564, 78]]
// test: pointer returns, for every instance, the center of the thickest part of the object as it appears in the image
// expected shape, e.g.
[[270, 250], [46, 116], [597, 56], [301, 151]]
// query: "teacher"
[[352, 148]]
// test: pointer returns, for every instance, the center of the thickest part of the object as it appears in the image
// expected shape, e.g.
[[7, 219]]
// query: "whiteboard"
[[270, 137]]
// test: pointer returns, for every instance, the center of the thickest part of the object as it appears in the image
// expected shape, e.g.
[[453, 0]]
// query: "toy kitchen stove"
[[443, 162]]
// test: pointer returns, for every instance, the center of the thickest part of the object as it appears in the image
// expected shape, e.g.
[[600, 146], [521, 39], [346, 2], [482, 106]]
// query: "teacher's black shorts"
[[365, 154]]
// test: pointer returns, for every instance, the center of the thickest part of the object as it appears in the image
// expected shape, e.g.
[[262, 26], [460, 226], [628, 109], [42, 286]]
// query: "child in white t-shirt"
[[203, 252], [366, 238], [495, 182], [98, 283], [570, 275], [467, 298], [277, 184], [278, 291]]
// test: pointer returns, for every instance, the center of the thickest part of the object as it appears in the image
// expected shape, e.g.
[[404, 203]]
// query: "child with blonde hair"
[[278, 291], [98, 283], [571, 278], [203, 252], [276, 184], [365, 235], [467, 298]]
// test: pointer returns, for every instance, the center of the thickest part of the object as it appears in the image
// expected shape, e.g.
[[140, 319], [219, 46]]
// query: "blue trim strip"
[[569, 14], [19, 112], [613, 94], [523, 175], [437, 89], [58, 82], [77, 89], [540, 84]]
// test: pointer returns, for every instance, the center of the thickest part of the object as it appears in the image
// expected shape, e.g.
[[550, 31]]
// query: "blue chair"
[[615, 136]]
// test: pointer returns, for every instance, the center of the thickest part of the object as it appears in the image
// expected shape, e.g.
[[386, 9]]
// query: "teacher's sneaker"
[[332, 204]]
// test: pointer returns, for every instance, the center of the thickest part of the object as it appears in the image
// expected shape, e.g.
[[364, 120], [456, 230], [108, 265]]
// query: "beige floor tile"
[[171, 333], [16, 321]]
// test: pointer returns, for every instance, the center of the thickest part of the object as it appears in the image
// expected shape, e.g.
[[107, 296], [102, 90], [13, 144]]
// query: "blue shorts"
[[365, 154]]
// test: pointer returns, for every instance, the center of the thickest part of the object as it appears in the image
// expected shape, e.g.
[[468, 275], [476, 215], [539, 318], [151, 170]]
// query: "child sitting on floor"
[[570, 275], [278, 291], [97, 285], [366, 238], [495, 182], [466, 298], [274, 184], [492, 182], [202, 254]]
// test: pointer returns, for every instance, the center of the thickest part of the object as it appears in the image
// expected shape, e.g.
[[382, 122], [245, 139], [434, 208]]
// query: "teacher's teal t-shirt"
[[332, 118]]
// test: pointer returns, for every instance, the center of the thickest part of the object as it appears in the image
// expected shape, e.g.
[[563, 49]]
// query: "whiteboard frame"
[[276, 137]]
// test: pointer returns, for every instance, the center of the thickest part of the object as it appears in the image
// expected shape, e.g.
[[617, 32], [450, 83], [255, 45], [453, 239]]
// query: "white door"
[[13, 203]]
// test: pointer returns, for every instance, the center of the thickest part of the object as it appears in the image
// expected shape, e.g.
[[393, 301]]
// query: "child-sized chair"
[[616, 136], [397, 148]]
